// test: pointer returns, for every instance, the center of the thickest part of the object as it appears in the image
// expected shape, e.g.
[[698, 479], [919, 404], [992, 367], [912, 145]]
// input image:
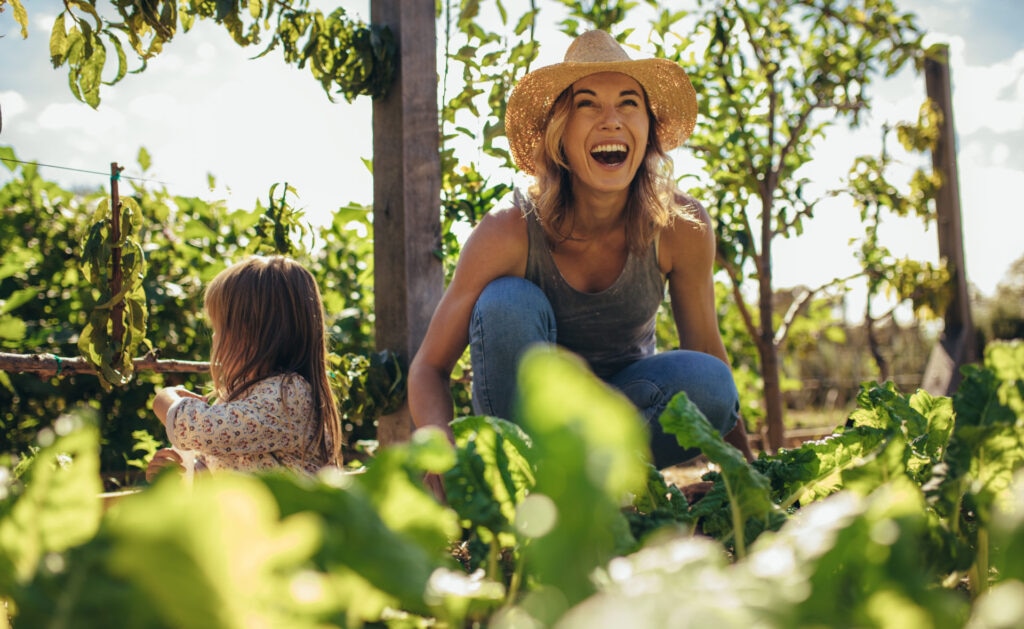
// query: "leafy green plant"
[[860, 533]]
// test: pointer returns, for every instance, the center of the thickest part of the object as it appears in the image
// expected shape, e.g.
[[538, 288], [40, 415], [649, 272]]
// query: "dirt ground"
[[688, 473]]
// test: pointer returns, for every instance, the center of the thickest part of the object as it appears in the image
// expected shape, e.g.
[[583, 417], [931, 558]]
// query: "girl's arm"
[[167, 397], [276, 414]]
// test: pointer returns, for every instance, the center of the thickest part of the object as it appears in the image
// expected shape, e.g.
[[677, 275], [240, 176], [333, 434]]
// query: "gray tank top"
[[612, 328]]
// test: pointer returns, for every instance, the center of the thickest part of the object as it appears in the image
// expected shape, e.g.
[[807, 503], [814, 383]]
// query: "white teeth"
[[609, 148]]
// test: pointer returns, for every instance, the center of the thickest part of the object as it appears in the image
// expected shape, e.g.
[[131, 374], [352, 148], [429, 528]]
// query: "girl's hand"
[[164, 458]]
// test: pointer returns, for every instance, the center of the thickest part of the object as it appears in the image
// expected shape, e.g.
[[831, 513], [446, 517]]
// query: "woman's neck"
[[598, 213]]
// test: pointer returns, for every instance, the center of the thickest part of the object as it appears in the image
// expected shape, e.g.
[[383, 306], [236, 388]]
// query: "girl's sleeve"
[[260, 422]]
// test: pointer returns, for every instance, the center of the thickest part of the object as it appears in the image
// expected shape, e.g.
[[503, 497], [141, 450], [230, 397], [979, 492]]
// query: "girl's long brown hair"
[[654, 199], [269, 320]]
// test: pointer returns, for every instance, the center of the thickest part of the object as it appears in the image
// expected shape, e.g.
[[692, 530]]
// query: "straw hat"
[[669, 93]]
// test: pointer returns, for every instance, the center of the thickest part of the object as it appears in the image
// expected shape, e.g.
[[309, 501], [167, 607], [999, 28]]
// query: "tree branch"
[[50, 365], [798, 303], [734, 283]]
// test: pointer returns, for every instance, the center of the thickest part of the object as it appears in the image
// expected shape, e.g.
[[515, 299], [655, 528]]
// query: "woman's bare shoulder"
[[689, 238], [497, 246], [501, 227], [689, 209]]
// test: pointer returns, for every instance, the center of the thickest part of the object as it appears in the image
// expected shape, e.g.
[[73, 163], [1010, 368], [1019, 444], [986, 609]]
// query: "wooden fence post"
[[408, 274], [957, 345]]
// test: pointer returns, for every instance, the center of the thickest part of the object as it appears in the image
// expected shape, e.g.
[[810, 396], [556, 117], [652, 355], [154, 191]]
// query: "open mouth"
[[610, 154]]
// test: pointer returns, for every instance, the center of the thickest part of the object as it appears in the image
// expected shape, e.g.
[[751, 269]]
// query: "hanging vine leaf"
[[346, 56], [111, 354]]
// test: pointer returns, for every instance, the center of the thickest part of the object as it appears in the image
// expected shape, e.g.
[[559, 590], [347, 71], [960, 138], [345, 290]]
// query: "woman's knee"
[[706, 380], [511, 303]]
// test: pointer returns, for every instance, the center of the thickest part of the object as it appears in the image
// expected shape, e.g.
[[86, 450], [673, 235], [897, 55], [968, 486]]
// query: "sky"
[[204, 107]]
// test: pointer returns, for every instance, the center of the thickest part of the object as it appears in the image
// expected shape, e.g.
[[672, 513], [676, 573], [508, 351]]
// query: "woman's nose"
[[611, 119]]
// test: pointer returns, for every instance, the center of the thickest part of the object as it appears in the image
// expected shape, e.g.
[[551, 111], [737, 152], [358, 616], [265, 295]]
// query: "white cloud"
[[154, 107], [79, 118], [991, 208], [988, 97], [11, 104]]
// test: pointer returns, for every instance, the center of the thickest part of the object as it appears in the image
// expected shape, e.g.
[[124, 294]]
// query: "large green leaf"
[[59, 506], [591, 450], [217, 554], [492, 473], [748, 491]]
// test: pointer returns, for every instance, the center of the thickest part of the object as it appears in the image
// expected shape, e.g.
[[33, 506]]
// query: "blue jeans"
[[513, 313]]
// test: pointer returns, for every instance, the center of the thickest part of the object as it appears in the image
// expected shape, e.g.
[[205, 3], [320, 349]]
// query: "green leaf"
[[591, 448], [395, 574], [21, 17], [11, 328], [60, 506], [393, 482], [218, 554], [59, 41], [492, 473], [18, 298], [748, 491]]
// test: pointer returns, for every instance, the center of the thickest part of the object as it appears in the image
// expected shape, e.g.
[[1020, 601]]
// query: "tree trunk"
[[766, 342], [957, 345], [770, 371]]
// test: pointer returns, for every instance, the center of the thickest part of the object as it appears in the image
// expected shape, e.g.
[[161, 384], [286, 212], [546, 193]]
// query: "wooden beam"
[[408, 274], [957, 346]]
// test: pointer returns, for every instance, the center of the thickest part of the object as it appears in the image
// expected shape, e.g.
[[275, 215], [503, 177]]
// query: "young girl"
[[273, 405]]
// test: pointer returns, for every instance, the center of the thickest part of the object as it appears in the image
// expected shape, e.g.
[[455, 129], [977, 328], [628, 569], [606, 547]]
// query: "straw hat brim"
[[670, 96]]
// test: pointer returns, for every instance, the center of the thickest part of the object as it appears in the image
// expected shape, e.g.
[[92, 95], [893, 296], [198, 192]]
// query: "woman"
[[582, 259]]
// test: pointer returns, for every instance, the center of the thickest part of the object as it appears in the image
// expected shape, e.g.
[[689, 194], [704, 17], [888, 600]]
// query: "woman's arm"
[[497, 247], [687, 256]]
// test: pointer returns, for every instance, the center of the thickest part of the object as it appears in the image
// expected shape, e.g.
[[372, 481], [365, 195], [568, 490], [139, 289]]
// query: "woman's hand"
[[164, 458], [436, 486]]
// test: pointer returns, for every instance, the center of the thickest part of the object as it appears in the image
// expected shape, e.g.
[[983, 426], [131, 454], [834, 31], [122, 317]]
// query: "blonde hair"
[[654, 200], [268, 317]]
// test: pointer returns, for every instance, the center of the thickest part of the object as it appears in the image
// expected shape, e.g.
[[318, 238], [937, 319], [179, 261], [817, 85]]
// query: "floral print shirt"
[[272, 425]]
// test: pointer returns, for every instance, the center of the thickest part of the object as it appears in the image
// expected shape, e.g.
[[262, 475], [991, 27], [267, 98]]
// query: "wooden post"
[[408, 274], [117, 311], [957, 345]]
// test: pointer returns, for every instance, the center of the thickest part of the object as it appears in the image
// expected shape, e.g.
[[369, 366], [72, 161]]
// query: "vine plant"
[[113, 262], [346, 56]]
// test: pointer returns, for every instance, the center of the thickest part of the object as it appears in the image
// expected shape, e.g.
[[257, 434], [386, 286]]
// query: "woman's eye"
[[580, 104], [630, 103]]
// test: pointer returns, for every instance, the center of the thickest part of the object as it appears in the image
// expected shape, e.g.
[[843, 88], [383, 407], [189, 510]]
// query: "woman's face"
[[605, 138]]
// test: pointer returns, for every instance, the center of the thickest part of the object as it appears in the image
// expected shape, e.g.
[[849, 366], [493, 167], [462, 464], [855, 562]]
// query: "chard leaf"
[[59, 507], [814, 470], [748, 491], [393, 484], [492, 474], [938, 411], [394, 574], [987, 444], [590, 446], [218, 554], [858, 558], [1008, 534]]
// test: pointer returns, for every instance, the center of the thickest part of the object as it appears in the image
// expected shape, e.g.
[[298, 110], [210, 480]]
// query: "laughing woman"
[[582, 259]]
